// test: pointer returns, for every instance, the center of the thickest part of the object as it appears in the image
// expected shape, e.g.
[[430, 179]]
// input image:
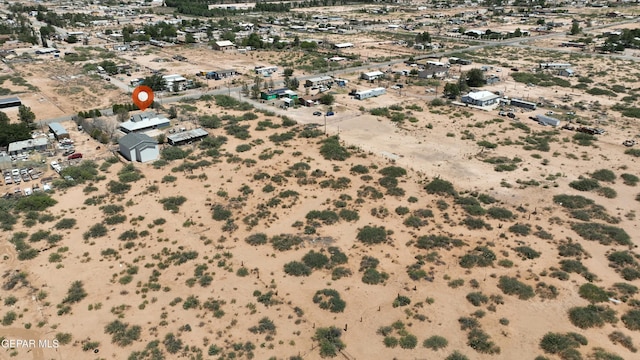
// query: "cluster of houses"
[[137, 145]]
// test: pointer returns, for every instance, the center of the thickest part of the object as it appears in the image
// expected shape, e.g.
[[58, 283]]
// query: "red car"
[[75, 156]]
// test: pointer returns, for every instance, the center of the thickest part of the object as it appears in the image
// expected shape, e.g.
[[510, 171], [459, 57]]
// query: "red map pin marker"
[[142, 97]]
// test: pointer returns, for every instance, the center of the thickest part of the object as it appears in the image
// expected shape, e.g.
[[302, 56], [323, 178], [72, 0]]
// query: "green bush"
[[604, 175], [526, 252], [435, 343], [315, 260], [591, 316], [296, 268], [604, 234], [437, 241], [34, 202], [480, 256], [332, 150], [584, 139], [520, 229], [393, 171], [477, 298], [607, 192], [440, 187], [593, 293], [172, 203], [372, 235], [349, 215], [633, 152], [329, 299], [456, 356], [284, 242], [220, 213], [556, 343], [329, 341], [401, 301], [500, 213], [390, 341], [512, 286], [173, 153], [359, 169], [340, 272], [66, 223], [75, 293], [630, 179], [408, 341], [631, 319], [265, 326], [95, 231], [256, 239], [373, 277], [618, 337], [118, 188]]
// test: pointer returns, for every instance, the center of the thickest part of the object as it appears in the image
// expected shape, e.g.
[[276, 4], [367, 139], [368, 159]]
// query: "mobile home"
[[365, 94], [547, 120], [523, 104]]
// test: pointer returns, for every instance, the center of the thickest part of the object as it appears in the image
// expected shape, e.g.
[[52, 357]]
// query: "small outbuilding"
[[185, 137], [223, 45], [481, 98], [58, 131], [547, 120], [372, 75], [139, 147], [10, 102]]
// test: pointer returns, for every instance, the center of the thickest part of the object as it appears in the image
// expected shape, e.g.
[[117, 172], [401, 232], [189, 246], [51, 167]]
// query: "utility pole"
[[325, 123]]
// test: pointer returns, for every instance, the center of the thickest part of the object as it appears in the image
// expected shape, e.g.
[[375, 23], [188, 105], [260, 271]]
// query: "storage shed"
[[58, 131], [139, 147], [547, 120], [187, 136]]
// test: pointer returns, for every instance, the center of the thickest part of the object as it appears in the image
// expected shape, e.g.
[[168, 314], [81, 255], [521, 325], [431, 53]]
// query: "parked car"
[[511, 115], [502, 113], [68, 152], [317, 113], [75, 156], [330, 113]]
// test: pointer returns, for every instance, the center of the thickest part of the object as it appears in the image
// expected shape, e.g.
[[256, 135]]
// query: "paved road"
[[516, 42]]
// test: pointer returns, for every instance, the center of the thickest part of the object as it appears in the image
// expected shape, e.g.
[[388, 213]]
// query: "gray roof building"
[[139, 147], [187, 136], [144, 121], [10, 102], [58, 131], [38, 144]]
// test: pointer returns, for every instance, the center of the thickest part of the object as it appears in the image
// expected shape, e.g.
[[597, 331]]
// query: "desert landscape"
[[411, 225]]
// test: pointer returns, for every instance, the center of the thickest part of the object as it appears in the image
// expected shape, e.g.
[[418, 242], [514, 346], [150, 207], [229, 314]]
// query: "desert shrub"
[[584, 139], [265, 326], [572, 266], [128, 235], [349, 215], [372, 234], [591, 316], [95, 231], [512, 286], [500, 213], [570, 249], [604, 175], [572, 201], [401, 300], [256, 239], [440, 187], [115, 219], [390, 341], [435, 343], [66, 223], [631, 319], [585, 184], [220, 213], [34, 202], [456, 356], [329, 299], [118, 188], [593, 293], [408, 341], [75, 293], [480, 341], [630, 179], [9, 318], [473, 223], [340, 272], [414, 222], [526, 252], [327, 217], [332, 150], [329, 341], [315, 260], [359, 169], [618, 337], [402, 210], [285, 242], [437, 241], [393, 171], [604, 234], [373, 277], [520, 229], [172, 203], [556, 343], [296, 268], [480, 256], [477, 298], [607, 192]]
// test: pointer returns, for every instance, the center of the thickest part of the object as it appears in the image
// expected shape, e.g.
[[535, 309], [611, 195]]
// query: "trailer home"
[[365, 94], [547, 120], [523, 104]]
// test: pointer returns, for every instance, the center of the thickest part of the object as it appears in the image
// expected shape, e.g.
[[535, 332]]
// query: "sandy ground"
[[431, 147]]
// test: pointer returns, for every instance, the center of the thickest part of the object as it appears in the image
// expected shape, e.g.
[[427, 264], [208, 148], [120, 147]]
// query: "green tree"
[[155, 82], [327, 99], [26, 115], [452, 90], [4, 119], [575, 28], [475, 78]]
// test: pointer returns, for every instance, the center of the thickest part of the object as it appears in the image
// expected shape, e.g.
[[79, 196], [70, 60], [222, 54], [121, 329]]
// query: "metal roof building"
[[187, 136], [38, 144], [10, 102], [58, 131], [144, 121], [481, 98]]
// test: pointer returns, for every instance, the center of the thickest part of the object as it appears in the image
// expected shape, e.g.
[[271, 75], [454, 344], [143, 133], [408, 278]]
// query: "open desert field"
[[406, 226]]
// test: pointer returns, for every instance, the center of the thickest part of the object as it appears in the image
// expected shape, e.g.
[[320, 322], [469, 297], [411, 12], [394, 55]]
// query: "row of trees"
[[17, 131]]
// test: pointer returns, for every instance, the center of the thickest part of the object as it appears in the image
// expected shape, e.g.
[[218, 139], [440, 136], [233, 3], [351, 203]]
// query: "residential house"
[[139, 147], [481, 98], [144, 121], [434, 71], [223, 45], [372, 75]]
